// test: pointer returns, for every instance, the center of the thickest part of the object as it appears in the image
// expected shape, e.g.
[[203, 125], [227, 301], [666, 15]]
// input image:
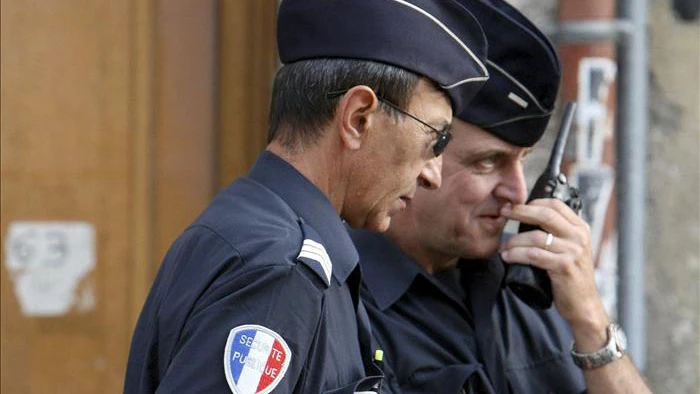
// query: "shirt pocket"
[[555, 374], [467, 378]]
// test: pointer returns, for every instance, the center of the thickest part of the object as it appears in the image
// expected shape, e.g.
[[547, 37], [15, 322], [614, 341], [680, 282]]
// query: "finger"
[[537, 239], [537, 257], [560, 207], [556, 264], [542, 216]]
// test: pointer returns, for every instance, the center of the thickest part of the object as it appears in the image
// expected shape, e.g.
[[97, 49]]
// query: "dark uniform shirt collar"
[[312, 206], [386, 270]]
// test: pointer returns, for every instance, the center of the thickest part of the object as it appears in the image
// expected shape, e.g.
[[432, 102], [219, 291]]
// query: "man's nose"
[[431, 175], [513, 186]]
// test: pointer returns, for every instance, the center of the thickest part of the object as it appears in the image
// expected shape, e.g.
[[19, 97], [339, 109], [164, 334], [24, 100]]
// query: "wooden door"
[[113, 120]]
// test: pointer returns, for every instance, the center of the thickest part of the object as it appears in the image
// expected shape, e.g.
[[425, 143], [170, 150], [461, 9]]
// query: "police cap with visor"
[[437, 39], [518, 100]]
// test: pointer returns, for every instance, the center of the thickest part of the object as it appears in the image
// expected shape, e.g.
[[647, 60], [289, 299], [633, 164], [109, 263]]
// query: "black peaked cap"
[[518, 100], [437, 39]]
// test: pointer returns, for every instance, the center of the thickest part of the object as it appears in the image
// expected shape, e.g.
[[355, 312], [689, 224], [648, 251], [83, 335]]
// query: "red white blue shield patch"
[[255, 360]]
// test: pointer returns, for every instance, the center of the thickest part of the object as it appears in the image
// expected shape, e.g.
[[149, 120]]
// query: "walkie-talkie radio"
[[532, 284]]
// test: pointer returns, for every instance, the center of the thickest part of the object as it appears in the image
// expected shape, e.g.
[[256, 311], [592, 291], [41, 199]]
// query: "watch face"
[[620, 338]]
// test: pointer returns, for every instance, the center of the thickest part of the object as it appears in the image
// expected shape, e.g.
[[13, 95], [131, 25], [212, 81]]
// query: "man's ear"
[[355, 113]]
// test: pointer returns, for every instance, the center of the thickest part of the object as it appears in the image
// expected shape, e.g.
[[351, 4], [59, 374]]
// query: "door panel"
[[123, 117], [66, 139]]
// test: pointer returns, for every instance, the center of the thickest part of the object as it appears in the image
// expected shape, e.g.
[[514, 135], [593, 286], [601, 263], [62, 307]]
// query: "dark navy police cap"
[[437, 39], [518, 100]]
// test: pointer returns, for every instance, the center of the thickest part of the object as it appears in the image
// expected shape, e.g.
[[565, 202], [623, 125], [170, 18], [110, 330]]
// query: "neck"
[[319, 164]]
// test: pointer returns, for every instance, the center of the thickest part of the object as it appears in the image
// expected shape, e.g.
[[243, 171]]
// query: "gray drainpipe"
[[633, 126]]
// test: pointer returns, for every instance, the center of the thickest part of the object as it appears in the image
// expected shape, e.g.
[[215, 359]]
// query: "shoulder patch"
[[255, 360], [314, 254]]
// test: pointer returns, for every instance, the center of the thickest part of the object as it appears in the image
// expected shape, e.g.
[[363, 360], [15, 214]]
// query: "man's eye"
[[485, 165]]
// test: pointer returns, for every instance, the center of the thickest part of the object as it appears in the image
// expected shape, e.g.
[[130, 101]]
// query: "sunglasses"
[[443, 136]]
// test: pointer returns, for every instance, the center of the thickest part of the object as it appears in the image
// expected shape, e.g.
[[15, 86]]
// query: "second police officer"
[[433, 282]]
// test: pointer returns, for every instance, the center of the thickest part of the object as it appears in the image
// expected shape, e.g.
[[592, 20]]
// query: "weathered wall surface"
[[673, 215], [673, 207]]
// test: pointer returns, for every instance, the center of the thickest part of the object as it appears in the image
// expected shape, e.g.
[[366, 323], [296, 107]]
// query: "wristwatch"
[[614, 349]]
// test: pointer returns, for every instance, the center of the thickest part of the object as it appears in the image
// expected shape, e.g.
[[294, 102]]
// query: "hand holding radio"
[[528, 282]]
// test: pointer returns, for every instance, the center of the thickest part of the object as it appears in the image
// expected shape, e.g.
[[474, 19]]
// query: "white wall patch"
[[47, 262]]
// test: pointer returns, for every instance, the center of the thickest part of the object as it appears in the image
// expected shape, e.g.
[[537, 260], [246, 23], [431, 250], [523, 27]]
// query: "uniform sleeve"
[[254, 321]]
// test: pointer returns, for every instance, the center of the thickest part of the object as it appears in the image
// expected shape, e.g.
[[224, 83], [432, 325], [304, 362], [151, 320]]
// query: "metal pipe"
[[585, 31], [633, 126]]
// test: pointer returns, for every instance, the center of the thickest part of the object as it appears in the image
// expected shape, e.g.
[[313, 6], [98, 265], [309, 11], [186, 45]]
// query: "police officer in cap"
[[261, 293], [433, 282]]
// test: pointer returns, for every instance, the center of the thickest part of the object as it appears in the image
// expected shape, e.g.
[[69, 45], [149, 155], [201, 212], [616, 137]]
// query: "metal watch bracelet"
[[614, 349]]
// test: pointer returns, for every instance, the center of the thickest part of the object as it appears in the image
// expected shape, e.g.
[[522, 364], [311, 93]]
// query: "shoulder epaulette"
[[314, 254]]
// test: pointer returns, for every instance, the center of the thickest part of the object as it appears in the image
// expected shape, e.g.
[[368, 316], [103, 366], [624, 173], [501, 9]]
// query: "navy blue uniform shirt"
[[458, 330], [260, 293]]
